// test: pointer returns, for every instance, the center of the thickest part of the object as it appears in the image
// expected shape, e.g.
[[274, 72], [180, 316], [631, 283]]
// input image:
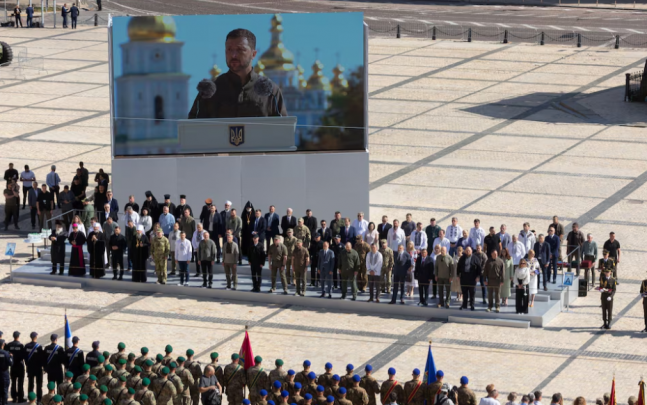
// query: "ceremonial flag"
[[641, 393], [68, 334], [246, 354], [430, 368], [612, 397]]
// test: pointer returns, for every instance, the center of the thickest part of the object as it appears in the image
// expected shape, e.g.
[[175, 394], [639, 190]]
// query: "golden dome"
[[318, 81], [339, 82], [301, 80], [259, 68], [157, 29], [277, 57], [215, 72]]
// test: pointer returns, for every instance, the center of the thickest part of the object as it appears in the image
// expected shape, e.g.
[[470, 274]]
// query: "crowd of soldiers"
[[121, 378]]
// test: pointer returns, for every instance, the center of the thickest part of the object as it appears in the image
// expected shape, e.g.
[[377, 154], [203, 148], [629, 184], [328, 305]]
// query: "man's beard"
[[59, 231], [242, 66]]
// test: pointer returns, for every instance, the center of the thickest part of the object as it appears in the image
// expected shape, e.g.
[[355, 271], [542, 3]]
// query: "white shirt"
[[173, 237], [454, 233], [517, 251], [197, 238], [374, 262], [489, 401], [523, 274], [360, 226], [134, 217], [476, 236], [371, 237], [146, 222], [395, 238], [182, 250], [423, 239], [27, 175], [528, 240], [444, 243]]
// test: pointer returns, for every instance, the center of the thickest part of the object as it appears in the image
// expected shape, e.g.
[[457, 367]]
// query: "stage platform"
[[548, 304]]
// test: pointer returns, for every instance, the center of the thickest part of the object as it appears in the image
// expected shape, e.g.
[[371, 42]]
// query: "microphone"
[[263, 87], [206, 89]]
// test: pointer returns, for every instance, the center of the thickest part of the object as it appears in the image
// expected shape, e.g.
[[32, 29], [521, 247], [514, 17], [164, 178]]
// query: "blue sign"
[[568, 278], [11, 249]]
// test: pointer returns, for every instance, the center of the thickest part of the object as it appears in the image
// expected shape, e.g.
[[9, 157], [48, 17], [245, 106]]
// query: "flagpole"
[[245, 385]]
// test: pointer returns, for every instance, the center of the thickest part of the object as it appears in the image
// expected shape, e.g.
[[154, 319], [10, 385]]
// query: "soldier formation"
[[120, 378]]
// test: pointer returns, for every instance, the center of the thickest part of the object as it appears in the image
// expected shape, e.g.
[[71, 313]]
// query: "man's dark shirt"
[[232, 100], [208, 396], [45, 201], [10, 174]]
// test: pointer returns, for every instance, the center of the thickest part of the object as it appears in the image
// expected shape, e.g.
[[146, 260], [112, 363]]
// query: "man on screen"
[[240, 92]]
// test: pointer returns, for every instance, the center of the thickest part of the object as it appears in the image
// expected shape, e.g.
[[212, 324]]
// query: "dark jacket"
[[383, 230], [424, 273], [30, 11], [554, 244], [542, 252], [311, 223], [285, 224], [352, 234], [469, 275], [114, 205], [74, 12], [273, 224], [33, 356], [402, 263], [257, 254], [120, 242], [259, 228], [217, 221], [57, 251], [326, 234]]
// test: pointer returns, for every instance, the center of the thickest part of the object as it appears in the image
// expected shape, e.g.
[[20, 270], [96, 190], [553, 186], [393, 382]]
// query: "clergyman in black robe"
[[77, 262], [96, 245], [57, 250], [248, 216], [139, 247]]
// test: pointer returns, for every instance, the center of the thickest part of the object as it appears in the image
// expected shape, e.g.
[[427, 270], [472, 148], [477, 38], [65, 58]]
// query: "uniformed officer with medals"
[[607, 289]]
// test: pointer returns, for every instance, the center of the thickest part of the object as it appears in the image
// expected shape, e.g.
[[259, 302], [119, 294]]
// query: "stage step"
[[510, 323]]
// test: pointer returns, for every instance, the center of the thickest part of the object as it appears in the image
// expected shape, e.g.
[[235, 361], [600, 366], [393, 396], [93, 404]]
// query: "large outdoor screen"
[[238, 83]]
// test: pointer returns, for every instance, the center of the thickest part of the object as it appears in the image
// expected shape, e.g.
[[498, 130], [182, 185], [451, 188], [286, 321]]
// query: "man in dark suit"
[[107, 212], [469, 271], [325, 232], [288, 221], [74, 14], [30, 15], [258, 228], [272, 220], [542, 250], [347, 232], [402, 264], [554, 245], [326, 268], [424, 273], [383, 228], [114, 204], [310, 222], [257, 260]]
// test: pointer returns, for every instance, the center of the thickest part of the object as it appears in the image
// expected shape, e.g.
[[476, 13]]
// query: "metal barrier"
[[635, 87]]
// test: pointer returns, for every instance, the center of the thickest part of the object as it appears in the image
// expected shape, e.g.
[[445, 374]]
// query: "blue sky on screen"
[[338, 36]]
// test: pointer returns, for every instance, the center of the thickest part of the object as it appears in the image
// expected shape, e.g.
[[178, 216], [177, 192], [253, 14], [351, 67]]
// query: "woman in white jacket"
[[533, 270], [79, 223], [521, 280], [145, 220]]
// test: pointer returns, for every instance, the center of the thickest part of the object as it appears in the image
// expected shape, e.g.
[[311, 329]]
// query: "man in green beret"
[[56, 400], [257, 379], [134, 380], [164, 388], [147, 372], [131, 362], [187, 380], [196, 372], [93, 392], [106, 356], [278, 374], [121, 368], [85, 385], [119, 391], [31, 397], [141, 359], [145, 396], [234, 380], [120, 354], [65, 387], [107, 401], [51, 391], [99, 368], [103, 395], [81, 379], [177, 382], [219, 371], [108, 380], [168, 358], [158, 365], [130, 397], [72, 397], [83, 399]]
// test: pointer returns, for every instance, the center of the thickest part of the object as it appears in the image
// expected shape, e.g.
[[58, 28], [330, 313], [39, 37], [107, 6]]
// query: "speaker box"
[[582, 288]]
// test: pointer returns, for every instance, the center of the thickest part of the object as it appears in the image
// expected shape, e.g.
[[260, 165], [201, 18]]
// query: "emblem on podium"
[[236, 135]]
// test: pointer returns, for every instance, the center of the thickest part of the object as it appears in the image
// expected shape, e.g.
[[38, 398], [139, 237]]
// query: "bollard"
[[433, 33], [96, 19], [397, 33], [542, 38], [579, 40], [505, 36], [617, 42], [469, 35]]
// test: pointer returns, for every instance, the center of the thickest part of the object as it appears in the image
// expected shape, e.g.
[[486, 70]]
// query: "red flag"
[[247, 355], [641, 393], [612, 398]]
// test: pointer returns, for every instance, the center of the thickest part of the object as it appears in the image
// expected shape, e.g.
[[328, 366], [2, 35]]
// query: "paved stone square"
[[505, 133]]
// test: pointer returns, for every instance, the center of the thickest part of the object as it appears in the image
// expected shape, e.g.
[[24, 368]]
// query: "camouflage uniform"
[[188, 382], [108, 380], [362, 248], [114, 358], [387, 268], [194, 368], [257, 379], [97, 371], [72, 399], [120, 372], [276, 253], [139, 361], [398, 390], [431, 391], [301, 257], [148, 374], [466, 396], [290, 243], [234, 379], [165, 391], [414, 392], [117, 394], [302, 233], [278, 374], [346, 381], [333, 390], [145, 397], [179, 388], [357, 395], [134, 382], [325, 379], [99, 400], [371, 386], [302, 377], [63, 388], [160, 249]]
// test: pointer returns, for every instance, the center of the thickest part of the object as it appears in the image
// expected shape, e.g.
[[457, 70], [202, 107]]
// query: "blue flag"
[[430, 368], [68, 334]]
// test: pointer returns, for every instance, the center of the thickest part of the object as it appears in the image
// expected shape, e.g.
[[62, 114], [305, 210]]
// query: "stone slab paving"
[[456, 129]]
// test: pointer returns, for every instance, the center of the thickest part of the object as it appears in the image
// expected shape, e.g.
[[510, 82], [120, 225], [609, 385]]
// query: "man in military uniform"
[[320, 399], [387, 266], [164, 388], [391, 386], [74, 358], [141, 359], [196, 371], [413, 390], [290, 243], [106, 357], [108, 380], [302, 376], [177, 382], [275, 392], [51, 392], [167, 359], [158, 366], [236, 96], [73, 397], [85, 374], [263, 397], [145, 396], [99, 368], [434, 388], [130, 364], [334, 387], [342, 397], [34, 361], [608, 290], [6, 361], [90, 389], [325, 379], [300, 261], [134, 380], [349, 267], [147, 371], [160, 249], [66, 386], [103, 396], [289, 383], [121, 369], [296, 397], [356, 394], [234, 380], [278, 374], [465, 395], [347, 379], [362, 248], [119, 391], [17, 351], [130, 397], [606, 262], [302, 233], [278, 256], [311, 385], [370, 384], [187, 381], [257, 379]]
